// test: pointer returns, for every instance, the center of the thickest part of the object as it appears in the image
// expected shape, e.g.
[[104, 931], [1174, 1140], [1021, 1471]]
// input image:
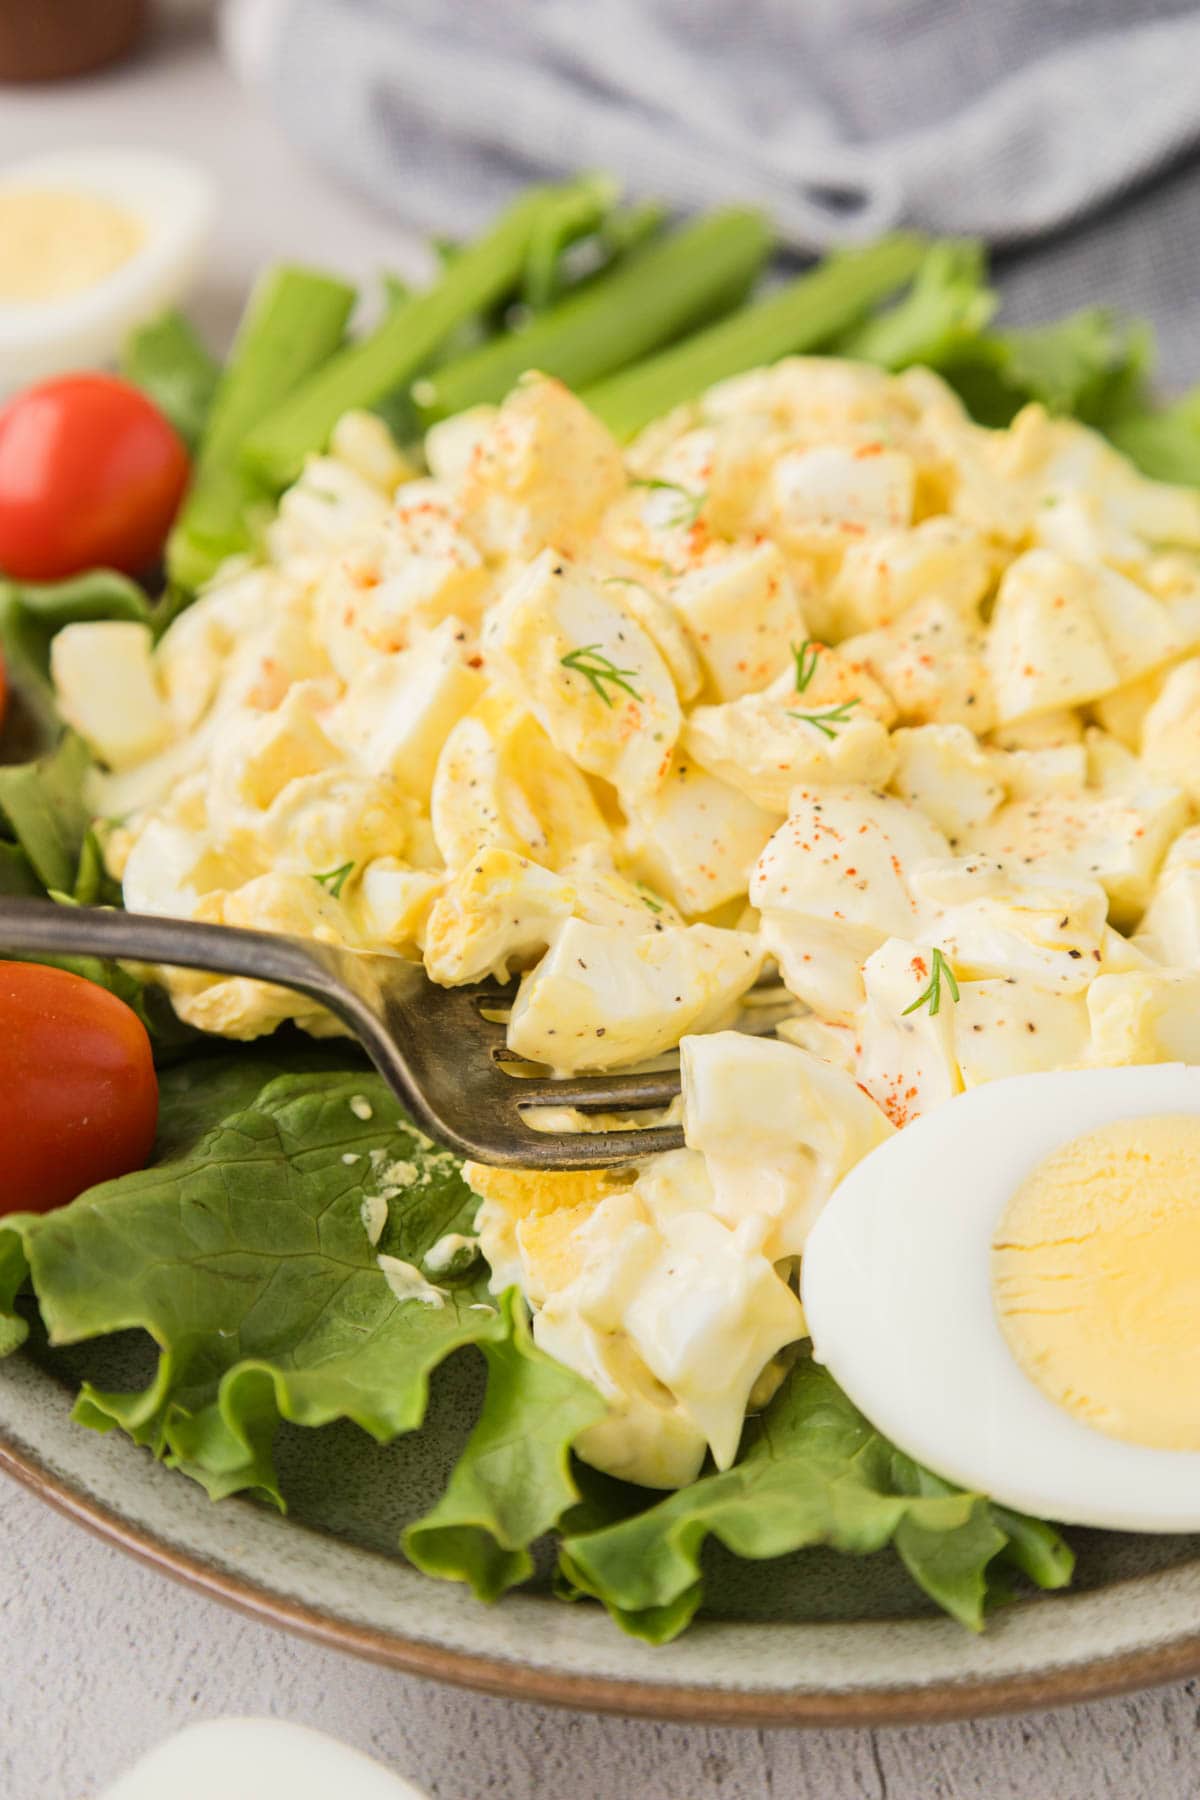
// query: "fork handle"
[[344, 982], [30, 927]]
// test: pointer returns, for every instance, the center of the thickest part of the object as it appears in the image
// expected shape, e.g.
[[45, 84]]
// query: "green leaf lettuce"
[[1163, 443], [1093, 364], [811, 1471], [168, 361], [243, 1253], [513, 1481], [44, 814], [948, 303]]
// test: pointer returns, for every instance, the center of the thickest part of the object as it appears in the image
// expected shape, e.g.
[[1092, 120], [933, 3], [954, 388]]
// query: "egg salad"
[[818, 678]]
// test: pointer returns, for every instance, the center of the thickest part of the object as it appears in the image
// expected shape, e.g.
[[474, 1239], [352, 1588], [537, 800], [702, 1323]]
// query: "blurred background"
[[1064, 133], [164, 83]]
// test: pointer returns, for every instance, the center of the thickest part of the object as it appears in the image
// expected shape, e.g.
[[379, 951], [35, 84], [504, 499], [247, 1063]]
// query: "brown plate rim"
[[903, 1704]]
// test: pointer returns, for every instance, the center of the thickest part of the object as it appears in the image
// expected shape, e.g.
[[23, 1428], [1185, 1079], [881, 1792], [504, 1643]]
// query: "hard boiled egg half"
[[1009, 1289], [92, 243]]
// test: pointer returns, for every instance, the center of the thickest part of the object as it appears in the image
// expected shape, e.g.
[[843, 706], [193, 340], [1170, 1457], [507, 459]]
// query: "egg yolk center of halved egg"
[[54, 242], [1096, 1279]]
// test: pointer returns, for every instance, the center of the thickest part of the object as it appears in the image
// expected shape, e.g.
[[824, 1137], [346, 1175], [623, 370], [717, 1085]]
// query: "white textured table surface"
[[100, 1658]]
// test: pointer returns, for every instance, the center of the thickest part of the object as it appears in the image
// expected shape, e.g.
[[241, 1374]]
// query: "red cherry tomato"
[[91, 475], [78, 1092]]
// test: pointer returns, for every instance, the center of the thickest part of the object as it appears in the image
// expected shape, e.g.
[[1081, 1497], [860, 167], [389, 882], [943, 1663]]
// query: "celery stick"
[[801, 316], [581, 210], [293, 322], [629, 227], [479, 275], [945, 309], [651, 297]]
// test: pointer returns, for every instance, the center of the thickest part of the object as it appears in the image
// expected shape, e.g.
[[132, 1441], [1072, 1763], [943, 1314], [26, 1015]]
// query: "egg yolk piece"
[[1096, 1279], [54, 242]]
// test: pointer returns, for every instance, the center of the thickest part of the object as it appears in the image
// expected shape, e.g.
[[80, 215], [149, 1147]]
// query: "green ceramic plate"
[[811, 1639]]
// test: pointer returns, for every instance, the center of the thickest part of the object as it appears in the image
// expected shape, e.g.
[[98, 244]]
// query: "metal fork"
[[437, 1048]]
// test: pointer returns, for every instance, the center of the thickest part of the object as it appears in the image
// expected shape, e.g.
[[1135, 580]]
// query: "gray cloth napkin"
[[1065, 132]]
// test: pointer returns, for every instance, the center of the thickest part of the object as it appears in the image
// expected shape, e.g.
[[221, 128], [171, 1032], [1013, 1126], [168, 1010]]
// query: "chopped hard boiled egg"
[[777, 1126], [709, 1313], [1169, 931], [1009, 1025], [1145, 1016], [541, 471], [906, 1060], [884, 575], [107, 690], [498, 781], [602, 996], [931, 662], [502, 909], [833, 883], [742, 610], [768, 744], [826, 497], [398, 712], [1118, 839], [1170, 735], [696, 839], [995, 919], [1045, 647], [943, 770], [640, 1286], [589, 672]]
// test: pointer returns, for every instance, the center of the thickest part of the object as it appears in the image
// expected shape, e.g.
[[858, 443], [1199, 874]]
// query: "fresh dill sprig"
[[691, 501], [827, 722], [334, 880], [649, 898], [805, 658], [933, 993], [598, 670]]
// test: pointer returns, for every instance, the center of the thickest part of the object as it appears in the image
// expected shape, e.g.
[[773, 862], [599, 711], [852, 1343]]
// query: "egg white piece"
[[174, 204], [897, 1290]]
